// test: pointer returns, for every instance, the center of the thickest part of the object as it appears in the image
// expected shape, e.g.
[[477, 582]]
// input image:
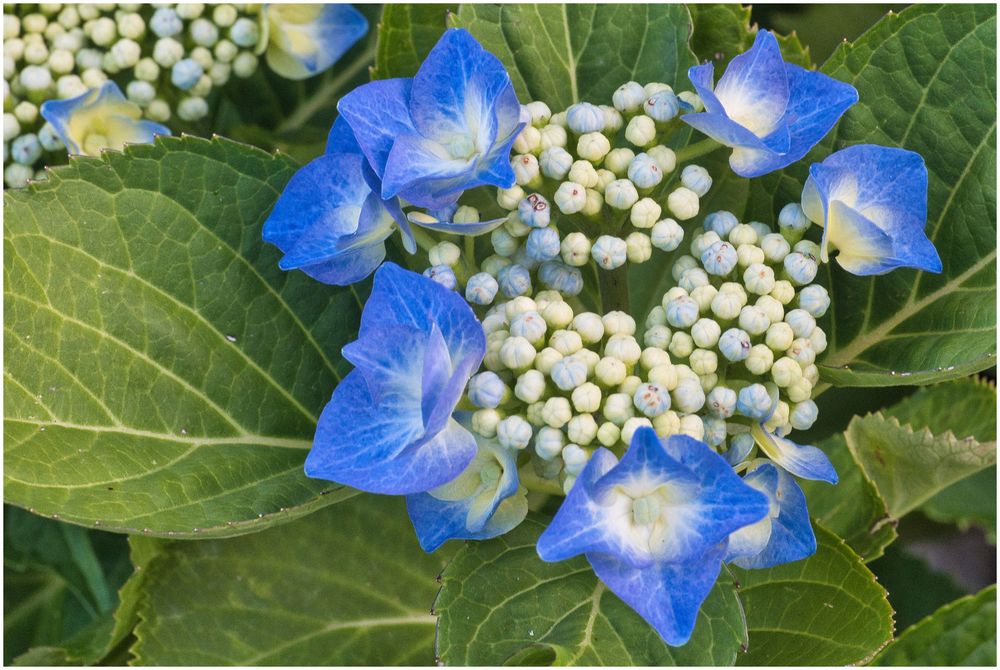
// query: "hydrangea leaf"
[[927, 82], [961, 633], [825, 610], [406, 34], [898, 570], [345, 586], [162, 374], [500, 603], [565, 53], [909, 465], [723, 30]]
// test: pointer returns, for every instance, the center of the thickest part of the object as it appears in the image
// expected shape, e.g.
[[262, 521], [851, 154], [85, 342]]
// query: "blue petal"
[[791, 534], [381, 448], [817, 102], [325, 239], [803, 461], [376, 132], [432, 223], [341, 139], [667, 595], [754, 90], [702, 78], [347, 268], [301, 45], [422, 172]]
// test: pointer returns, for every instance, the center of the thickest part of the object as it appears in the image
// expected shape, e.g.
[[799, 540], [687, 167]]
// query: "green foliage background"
[[163, 378]]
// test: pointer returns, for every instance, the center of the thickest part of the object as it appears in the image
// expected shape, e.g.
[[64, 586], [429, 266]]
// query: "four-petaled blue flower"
[[330, 221], [485, 501], [446, 130], [101, 118], [785, 534], [389, 426], [304, 40], [872, 204], [654, 525], [770, 112]]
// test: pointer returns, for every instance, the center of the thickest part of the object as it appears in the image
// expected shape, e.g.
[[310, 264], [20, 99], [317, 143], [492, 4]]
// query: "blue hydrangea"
[[654, 525], [872, 204], [770, 112], [304, 40], [801, 460], [448, 129], [388, 427]]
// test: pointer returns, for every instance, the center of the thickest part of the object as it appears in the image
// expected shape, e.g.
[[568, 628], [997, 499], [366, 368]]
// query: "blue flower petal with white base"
[[770, 112], [388, 427], [303, 40], [785, 534], [484, 501], [448, 129], [654, 525], [802, 460], [872, 204]]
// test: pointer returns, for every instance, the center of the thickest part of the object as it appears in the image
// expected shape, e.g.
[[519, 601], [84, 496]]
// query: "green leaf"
[[927, 82], [961, 633], [565, 53], [898, 571], [500, 603], [908, 466], [853, 509], [162, 374], [963, 407], [722, 31], [969, 502], [824, 610], [346, 586], [406, 34]]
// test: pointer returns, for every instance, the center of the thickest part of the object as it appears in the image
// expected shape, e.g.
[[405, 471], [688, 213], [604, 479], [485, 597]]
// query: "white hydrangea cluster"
[[166, 57]]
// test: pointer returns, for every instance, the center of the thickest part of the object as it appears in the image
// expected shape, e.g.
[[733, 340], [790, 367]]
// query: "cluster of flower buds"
[[166, 58]]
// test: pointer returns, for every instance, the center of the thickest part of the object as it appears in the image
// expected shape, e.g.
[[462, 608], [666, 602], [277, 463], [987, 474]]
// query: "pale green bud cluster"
[[166, 58]]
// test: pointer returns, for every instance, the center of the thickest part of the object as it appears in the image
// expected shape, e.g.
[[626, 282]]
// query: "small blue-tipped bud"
[[535, 211], [662, 106], [651, 400], [549, 443], [165, 22], [719, 259], [802, 322], [814, 299], [735, 344], [543, 244], [775, 247], [697, 179], [754, 401], [692, 278], [481, 289], [443, 275], [584, 117], [688, 397], [722, 223], [715, 430], [244, 32], [628, 97], [185, 73], [666, 235], [561, 277], [609, 252], [486, 390], [807, 248], [803, 415], [514, 280], [575, 457], [800, 268], [739, 449], [792, 218], [761, 229], [569, 373], [682, 312], [514, 432], [555, 163], [644, 172], [26, 149], [721, 402], [49, 139], [530, 325]]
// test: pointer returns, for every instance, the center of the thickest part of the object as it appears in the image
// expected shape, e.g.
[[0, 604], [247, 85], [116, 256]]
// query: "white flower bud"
[[801, 322], [530, 386], [629, 97], [814, 299], [493, 264], [158, 110], [61, 62], [697, 179], [624, 348], [775, 247], [704, 362], [204, 32], [652, 357], [584, 117], [706, 333], [26, 113], [11, 26], [167, 52], [581, 429], [617, 322], [664, 375], [515, 224], [760, 360], [688, 397], [444, 253], [703, 242], [569, 373], [807, 248], [557, 412], [683, 203], [784, 371], [681, 345], [584, 173], [190, 10], [575, 249], [761, 229], [691, 98], [792, 221], [664, 157], [609, 252], [633, 424], [818, 340], [558, 315], [618, 408], [656, 317], [667, 424], [610, 371], [704, 295], [570, 197], [783, 291], [638, 248], [721, 223], [604, 177], [566, 342], [749, 254], [719, 259], [721, 402], [192, 109], [743, 234], [516, 353], [529, 325], [799, 268], [519, 305], [735, 344], [528, 140], [140, 92], [682, 312], [546, 359], [525, 168], [772, 308], [753, 320], [621, 194], [644, 172], [36, 78], [629, 386], [552, 136], [103, 31], [534, 414], [619, 160], [540, 113], [245, 64], [779, 336], [126, 53], [510, 198], [644, 213], [803, 415], [800, 390], [658, 336], [589, 326], [801, 351], [549, 443], [811, 373], [667, 235], [641, 131], [587, 397], [608, 434], [514, 432], [224, 15]]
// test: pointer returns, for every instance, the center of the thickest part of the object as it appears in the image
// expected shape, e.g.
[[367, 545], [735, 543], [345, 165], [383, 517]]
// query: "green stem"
[[614, 289], [697, 149], [424, 241], [326, 93], [533, 482]]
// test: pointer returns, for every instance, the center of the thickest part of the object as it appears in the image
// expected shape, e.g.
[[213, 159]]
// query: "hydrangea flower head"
[[330, 221], [872, 204], [770, 112], [388, 427], [654, 525], [101, 118], [448, 129], [304, 40]]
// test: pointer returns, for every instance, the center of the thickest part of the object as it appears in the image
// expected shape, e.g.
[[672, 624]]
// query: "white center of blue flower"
[[461, 147], [646, 510], [490, 474]]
